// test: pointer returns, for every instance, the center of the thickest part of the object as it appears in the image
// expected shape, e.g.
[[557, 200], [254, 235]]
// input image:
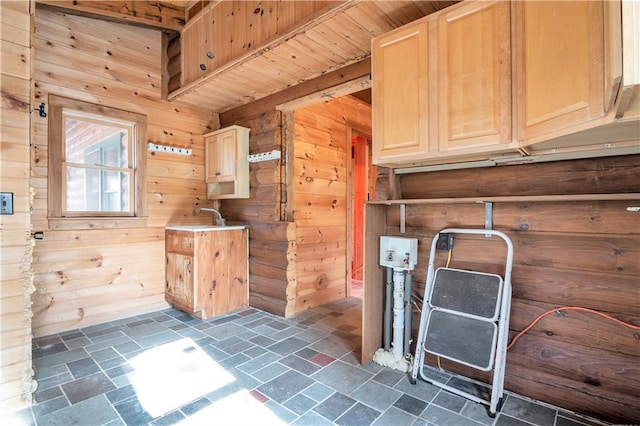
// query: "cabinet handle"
[[218, 173]]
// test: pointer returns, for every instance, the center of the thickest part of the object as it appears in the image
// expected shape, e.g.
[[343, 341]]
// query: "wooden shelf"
[[376, 225], [632, 196]]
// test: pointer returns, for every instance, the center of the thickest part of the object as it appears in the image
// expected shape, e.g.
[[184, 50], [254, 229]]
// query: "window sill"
[[70, 223]]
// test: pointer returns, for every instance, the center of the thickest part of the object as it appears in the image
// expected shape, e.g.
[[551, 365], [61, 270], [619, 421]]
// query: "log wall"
[[173, 68], [271, 239], [321, 188], [282, 232], [84, 277], [578, 253], [16, 64]]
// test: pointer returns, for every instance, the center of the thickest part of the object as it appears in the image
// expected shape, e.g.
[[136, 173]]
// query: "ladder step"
[[462, 339]]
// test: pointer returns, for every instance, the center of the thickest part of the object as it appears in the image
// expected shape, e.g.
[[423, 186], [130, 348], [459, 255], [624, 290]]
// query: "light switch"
[[6, 202]]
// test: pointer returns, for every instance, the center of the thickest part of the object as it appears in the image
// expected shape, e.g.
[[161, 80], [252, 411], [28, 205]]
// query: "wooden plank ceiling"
[[336, 34], [329, 39], [160, 15]]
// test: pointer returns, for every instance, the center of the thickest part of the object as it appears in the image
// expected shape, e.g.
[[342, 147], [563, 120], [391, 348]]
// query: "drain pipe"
[[387, 310], [398, 313], [407, 312], [397, 255]]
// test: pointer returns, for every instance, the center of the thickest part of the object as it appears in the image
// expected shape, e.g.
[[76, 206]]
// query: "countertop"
[[204, 228]]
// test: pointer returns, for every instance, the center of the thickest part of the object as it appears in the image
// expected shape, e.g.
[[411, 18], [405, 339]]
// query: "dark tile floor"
[[248, 367]]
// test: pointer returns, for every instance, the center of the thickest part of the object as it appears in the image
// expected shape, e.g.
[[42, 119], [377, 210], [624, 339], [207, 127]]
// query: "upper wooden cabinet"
[[474, 77], [559, 67], [399, 65], [226, 165], [220, 147], [442, 86], [629, 108], [572, 96], [505, 78]]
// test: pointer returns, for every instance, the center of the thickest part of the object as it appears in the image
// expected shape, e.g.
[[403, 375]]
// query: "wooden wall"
[[16, 64], [283, 233], [271, 240], [321, 187], [84, 277], [578, 253], [252, 23]]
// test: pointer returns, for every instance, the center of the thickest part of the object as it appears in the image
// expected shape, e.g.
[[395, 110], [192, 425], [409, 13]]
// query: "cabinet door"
[[474, 76], [400, 100], [220, 163], [180, 284], [223, 282], [180, 267], [559, 68]]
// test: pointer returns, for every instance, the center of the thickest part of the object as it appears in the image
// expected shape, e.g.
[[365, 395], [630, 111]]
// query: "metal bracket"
[[488, 217], [403, 218]]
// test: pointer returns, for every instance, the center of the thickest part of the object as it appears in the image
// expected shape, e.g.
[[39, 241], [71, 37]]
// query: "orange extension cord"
[[567, 308]]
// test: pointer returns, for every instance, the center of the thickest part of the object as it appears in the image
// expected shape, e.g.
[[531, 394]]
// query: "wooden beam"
[[309, 87], [149, 14], [343, 89]]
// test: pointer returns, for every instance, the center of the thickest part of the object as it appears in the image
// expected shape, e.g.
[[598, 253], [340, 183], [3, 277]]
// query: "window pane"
[[92, 194], [94, 190], [111, 155], [97, 158], [76, 184], [115, 196], [91, 142]]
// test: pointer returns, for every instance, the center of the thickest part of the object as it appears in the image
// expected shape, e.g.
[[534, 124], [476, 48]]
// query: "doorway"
[[364, 175], [319, 201]]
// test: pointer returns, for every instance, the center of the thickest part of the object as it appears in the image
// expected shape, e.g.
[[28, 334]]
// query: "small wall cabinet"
[[207, 270], [226, 165]]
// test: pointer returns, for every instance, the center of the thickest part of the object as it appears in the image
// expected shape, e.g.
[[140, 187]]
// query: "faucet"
[[219, 220]]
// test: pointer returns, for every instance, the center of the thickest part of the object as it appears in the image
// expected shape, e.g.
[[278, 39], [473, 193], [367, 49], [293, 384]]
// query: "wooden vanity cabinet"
[[226, 165], [207, 271]]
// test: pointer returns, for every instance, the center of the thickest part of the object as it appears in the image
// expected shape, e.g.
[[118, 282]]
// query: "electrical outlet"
[[6, 202], [445, 242]]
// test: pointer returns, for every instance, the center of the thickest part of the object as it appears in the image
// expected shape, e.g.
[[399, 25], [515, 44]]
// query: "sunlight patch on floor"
[[240, 408], [168, 376]]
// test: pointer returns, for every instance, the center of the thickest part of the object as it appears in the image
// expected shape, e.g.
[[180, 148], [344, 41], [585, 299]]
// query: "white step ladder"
[[465, 319]]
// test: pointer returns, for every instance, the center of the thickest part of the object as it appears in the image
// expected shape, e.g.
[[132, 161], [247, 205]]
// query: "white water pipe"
[[398, 314], [394, 357], [388, 291]]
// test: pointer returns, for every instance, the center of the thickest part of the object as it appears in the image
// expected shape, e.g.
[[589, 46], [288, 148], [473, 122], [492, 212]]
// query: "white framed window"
[[97, 165]]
